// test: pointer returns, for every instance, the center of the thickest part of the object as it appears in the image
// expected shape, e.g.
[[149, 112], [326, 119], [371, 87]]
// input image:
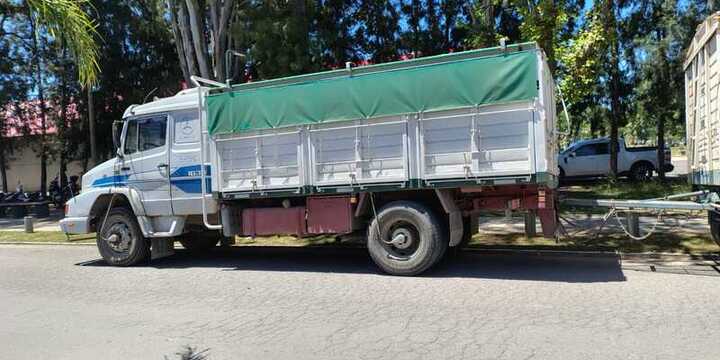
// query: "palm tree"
[[68, 22]]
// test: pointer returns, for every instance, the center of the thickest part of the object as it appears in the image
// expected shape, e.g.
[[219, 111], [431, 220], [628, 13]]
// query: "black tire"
[[714, 220], [427, 239], [18, 212], [561, 176], [200, 241], [120, 241], [641, 171]]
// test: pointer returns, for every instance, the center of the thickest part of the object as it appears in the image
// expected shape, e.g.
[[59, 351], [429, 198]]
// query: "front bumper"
[[75, 225]]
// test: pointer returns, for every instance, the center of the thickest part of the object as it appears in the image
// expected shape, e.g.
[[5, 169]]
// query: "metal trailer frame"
[[709, 203], [656, 204]]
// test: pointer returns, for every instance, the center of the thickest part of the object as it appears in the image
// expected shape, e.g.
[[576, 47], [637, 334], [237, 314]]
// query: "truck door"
[[185, 163], [145, 163], [589, 160]]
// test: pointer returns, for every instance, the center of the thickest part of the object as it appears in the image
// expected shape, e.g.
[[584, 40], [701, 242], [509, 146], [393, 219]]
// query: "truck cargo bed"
[[509, 140]]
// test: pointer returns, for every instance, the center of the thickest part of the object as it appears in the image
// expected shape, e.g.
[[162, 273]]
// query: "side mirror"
[[573, 154], [117, 128], [119, 153]]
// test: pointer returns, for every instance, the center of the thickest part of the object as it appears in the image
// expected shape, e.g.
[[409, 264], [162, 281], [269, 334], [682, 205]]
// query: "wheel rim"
[[642, 173], [119, 238], [401, 240]]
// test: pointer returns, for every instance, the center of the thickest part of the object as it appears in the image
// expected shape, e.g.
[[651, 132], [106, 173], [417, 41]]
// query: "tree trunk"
[[199, 42], [664, 93], [185, 34], [178, 41], [3, 166], [91, 126], [62, 127], [215, 61], [43, 111], [221, 37], [614, 79], [661, 148]]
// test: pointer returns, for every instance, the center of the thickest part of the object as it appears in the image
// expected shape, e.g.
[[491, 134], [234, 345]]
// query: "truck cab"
[[156, 172]]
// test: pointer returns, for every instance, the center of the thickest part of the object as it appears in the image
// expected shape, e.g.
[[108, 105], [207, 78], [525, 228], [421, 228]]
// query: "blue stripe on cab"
[[185, 178]]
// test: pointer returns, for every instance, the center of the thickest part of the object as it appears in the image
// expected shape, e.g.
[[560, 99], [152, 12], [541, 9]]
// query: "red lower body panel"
[[321, 215], [329, 215], [274, 221]]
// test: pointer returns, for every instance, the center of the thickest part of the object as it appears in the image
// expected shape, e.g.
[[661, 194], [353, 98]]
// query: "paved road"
[[284, 303]]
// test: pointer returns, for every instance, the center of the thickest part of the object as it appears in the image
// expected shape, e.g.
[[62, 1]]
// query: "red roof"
[[26, 116]]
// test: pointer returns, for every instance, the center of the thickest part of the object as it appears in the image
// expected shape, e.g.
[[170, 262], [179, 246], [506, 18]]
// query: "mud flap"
[[549, 222], [161, 247], [456, 228], [454, 216]]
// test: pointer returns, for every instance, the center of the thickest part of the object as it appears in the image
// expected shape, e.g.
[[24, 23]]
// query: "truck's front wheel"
[[406, 238], [120, 240]]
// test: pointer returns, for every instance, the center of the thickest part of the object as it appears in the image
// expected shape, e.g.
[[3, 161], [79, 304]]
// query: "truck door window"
[[602, 149], [593, 149], [151, 133], [131, 137]]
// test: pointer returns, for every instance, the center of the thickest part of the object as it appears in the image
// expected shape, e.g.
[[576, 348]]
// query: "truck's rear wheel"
[[120, 240], [406, 238], [641, 171]]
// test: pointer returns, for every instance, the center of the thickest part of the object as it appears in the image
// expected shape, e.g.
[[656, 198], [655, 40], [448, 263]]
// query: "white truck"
[[591, 158], [409, 152], [702, 81]]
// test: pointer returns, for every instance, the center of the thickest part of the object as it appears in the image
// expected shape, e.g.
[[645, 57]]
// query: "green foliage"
[[138, 57], [659, 76], [67, 21], [625, 189], [276, 35], [616, 62], [645, 80]]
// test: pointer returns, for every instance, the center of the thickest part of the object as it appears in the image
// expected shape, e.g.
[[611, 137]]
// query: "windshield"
[[569, 148]]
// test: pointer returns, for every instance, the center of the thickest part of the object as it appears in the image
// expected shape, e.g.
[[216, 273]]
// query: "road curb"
[[598, 254], [500, 251], [45, 243], [543, 252]]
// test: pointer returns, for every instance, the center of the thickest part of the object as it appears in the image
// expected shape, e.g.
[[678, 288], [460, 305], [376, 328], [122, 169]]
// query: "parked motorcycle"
[[59, 196], [15, 197]]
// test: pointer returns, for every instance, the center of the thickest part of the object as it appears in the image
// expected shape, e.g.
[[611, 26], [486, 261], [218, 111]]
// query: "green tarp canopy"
[[470, 78]]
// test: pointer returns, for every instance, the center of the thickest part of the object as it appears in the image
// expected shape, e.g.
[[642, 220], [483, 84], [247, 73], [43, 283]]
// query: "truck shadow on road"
[[512, 266]]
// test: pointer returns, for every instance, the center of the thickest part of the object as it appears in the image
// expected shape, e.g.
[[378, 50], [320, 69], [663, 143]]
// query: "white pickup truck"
[[591, 158]]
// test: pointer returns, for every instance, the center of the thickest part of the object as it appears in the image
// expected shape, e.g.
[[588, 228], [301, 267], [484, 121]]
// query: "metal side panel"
[[545, 122], [702, 86], [477, 142], [263, 161], [365, 151]]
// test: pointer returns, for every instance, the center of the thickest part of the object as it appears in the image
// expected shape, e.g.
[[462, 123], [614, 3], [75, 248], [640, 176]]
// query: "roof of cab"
[[185, 99]]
